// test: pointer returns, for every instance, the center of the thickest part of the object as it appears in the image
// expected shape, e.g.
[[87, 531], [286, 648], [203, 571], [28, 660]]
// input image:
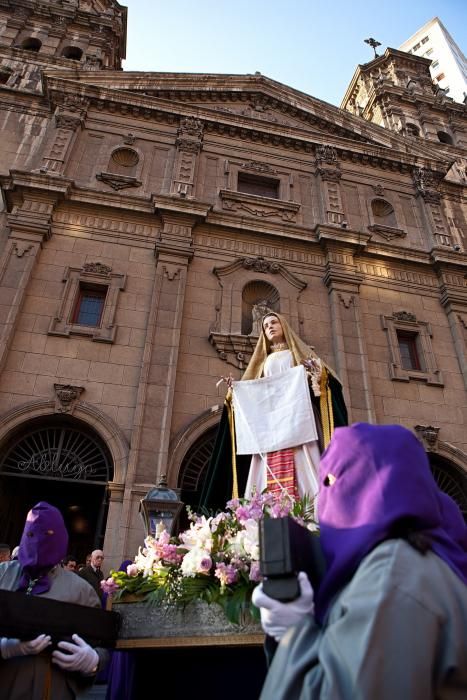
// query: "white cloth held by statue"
[[273, 413]]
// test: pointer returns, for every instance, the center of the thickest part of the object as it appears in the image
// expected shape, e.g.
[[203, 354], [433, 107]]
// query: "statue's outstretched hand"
[[314, 369], [228, 380]]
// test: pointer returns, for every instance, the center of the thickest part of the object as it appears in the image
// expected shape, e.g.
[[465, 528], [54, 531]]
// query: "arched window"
[[31, 44], [412, 129], [383, 213], [445, 138], [58, 449], [123, 161], [73, 52], [450, 480], [257, 298], [193, 471]]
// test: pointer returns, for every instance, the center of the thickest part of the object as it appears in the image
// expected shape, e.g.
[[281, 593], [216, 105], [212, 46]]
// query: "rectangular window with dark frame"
[[257, 185], [408, 349], [89, 305]]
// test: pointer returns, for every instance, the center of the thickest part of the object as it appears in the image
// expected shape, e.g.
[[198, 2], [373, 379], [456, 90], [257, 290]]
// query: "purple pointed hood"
[[372, 478], [44, 543]]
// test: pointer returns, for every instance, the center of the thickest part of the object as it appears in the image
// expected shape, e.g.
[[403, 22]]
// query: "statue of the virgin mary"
[[276, 421]]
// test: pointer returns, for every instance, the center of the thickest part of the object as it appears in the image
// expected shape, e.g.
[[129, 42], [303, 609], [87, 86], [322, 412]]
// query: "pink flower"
[[281, 510], [169, 553], [132, 570], [109, 586]]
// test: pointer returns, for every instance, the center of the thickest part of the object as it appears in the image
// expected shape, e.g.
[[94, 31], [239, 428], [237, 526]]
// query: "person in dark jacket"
[[93, 573]]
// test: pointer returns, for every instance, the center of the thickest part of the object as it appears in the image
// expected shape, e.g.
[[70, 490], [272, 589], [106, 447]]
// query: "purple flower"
[[242, 513], [255, 574], [226, 573]]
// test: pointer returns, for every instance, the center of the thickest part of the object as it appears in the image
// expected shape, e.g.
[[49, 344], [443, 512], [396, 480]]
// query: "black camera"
[[286, 547]]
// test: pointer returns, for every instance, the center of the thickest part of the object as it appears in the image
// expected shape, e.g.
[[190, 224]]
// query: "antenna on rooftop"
[[373, 43]]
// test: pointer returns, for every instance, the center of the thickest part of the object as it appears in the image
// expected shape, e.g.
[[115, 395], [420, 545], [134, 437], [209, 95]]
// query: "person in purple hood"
[[28, 669], [389, 619]]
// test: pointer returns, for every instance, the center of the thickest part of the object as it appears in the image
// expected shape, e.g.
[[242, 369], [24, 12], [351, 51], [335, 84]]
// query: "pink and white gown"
[[305, 457]]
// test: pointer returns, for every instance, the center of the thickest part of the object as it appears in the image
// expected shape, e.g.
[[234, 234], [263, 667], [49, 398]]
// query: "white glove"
[[277, 617], [14, 647], [80, 657]]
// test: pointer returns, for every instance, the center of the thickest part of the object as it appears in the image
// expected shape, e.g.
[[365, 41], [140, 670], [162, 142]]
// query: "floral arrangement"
[[215, 560]]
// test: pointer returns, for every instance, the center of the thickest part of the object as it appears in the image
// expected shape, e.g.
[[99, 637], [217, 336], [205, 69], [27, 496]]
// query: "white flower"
[[246, 541], [196, 561], [251, 538], [199, 535]]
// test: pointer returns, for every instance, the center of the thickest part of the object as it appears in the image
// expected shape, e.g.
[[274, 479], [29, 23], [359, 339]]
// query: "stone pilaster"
[[329, 174], [189, 143], [30, 200], [69, 118], [451, 276], [173, 252], [427, 183], [343, 279]]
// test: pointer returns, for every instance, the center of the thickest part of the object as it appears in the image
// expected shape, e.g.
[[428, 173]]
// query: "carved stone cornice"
[[31, 199], [341, 271], [452, 282], [259, 207], [345, 237], [387, 151], [179, 216], [22, 179], [196, 209]]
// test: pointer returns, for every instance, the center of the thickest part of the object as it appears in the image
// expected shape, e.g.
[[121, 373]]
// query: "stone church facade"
[[146, 214]]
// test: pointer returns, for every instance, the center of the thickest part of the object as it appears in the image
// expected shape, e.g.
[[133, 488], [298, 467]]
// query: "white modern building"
[[449, 65]]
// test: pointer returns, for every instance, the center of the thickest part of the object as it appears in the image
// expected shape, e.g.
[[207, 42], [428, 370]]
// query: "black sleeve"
[[218, 481]]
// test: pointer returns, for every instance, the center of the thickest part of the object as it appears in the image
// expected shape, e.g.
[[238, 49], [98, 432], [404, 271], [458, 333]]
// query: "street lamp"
[[160, 505]]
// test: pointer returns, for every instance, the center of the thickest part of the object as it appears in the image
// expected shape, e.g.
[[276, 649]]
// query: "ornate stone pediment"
[[260, 264]]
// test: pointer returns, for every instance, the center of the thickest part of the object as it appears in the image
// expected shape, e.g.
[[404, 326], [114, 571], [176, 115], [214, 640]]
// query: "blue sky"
[[311, 45]]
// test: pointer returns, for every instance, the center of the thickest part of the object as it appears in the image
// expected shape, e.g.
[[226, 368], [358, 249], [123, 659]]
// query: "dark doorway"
[[62, 461], [83, 507]]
